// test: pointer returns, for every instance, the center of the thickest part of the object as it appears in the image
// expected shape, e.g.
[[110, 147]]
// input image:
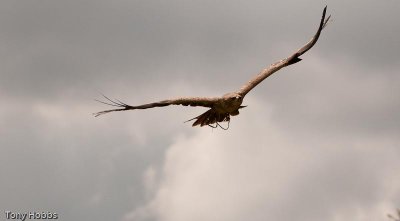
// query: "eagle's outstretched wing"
[[294, 58], [185, 101]]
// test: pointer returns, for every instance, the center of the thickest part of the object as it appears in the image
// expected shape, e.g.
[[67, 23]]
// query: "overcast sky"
[[319, 140]]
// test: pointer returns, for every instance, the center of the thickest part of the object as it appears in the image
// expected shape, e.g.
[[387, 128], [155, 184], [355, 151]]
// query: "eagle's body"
[[221, 108], [229, 103], [224, 107]]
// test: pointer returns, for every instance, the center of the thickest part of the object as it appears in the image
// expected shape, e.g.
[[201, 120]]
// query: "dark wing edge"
[[185, 101], [292, 59]]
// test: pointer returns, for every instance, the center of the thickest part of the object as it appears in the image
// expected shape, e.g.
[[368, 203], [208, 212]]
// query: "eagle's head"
[[232, 101], [233, 97]]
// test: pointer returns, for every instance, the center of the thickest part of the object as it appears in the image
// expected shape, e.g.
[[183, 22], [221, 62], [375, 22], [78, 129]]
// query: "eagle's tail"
[[210, 117]]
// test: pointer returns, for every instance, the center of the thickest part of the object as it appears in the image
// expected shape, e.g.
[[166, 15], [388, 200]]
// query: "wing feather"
[[186, 101], [292, 59]]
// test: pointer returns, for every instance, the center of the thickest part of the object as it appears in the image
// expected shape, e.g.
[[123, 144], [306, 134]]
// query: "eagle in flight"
[[221, 108]]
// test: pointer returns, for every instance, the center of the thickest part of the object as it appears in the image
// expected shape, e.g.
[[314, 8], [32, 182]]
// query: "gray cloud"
[[319, 139]]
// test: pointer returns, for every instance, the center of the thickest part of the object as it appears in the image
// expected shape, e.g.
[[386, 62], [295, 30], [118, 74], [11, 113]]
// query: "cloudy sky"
[[319, 140]]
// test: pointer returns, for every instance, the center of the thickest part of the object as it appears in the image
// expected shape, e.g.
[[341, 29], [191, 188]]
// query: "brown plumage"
[[221, 108]]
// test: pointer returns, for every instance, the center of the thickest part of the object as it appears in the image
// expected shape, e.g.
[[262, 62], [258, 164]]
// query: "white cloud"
[[256, 171]]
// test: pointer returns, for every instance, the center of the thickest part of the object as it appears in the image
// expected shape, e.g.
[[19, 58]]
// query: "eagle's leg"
[[222, 118]]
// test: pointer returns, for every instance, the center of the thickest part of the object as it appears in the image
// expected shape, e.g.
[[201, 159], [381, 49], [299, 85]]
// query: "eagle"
[[221, 108]]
